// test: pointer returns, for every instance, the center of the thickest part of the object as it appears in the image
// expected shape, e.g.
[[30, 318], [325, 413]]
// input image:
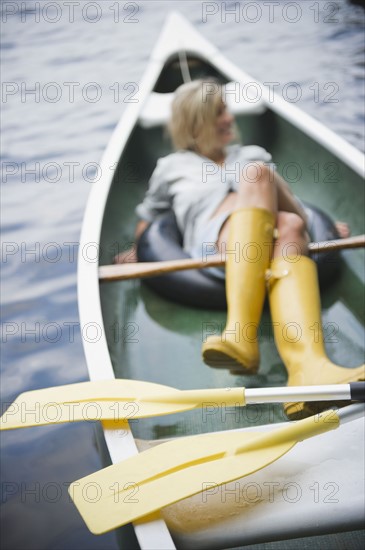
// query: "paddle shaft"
[[355, 391], [117, 272], [243, 396]]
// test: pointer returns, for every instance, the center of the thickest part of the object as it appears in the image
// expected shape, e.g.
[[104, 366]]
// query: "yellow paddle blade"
[[111, 400], [165, 474]]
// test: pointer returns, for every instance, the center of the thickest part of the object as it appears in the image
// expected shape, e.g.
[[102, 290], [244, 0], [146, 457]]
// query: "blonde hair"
[[195, 108]]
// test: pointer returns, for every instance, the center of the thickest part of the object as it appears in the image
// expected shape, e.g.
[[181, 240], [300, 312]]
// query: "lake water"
[[68, 71]]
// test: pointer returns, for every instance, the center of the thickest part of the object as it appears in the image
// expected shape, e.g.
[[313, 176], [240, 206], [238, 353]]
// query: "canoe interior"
[[152, 339]]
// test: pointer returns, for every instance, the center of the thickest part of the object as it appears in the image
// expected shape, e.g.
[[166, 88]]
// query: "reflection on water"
[[68, 75]]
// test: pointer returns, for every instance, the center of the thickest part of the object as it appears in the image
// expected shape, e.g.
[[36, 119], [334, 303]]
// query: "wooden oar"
[[120, 399], [117, 272], [172, 471]]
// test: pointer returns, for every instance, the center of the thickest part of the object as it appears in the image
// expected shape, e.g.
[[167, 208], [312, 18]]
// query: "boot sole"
[[220, 360]]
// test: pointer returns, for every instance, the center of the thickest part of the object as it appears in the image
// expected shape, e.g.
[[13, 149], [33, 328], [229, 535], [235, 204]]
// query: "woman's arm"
[[130, 255], [140, 227], [156, 201]]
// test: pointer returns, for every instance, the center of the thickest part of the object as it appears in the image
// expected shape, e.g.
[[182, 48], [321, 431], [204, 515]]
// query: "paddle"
[[120, 399], [167, 473], [117, 272]]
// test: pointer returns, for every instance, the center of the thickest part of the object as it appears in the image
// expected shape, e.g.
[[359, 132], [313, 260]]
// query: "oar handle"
[[357, 391]]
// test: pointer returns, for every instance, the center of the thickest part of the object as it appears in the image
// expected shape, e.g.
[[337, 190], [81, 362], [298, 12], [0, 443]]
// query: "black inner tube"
[[162, 240]]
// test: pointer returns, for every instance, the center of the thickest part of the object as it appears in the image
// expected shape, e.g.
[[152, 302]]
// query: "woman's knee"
[[290, 225], [292, 235], [257, 180], [256, 173]]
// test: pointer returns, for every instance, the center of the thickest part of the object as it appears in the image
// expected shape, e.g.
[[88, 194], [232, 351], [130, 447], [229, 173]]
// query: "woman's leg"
[[257, 189], [292, 238], [261, 187], [296, 315], [286, 199], [246, 239]]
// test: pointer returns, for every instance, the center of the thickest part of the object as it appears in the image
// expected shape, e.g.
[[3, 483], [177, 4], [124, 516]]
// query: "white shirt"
[[194, 186]]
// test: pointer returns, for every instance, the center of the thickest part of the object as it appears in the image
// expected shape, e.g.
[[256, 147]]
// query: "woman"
[[232, 196]]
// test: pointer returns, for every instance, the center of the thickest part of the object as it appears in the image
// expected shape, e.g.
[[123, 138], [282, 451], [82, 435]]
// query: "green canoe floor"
[[156, 340]]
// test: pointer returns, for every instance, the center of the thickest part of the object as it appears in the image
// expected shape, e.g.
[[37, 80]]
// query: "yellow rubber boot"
[[248, 251], [296, 314]]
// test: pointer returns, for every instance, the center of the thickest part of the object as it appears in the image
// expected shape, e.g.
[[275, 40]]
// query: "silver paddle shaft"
[[334, 392]]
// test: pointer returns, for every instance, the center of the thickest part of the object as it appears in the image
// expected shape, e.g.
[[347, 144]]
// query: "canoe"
[[129, 331]]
